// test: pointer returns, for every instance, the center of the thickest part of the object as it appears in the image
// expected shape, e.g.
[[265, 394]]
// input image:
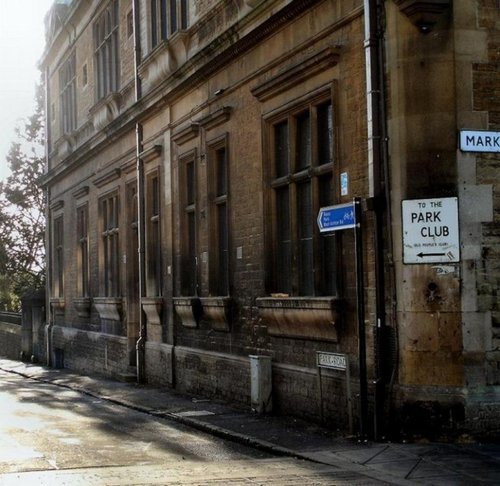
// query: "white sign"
[[430, 231], [332, 360], [344, 184], [479, 141]]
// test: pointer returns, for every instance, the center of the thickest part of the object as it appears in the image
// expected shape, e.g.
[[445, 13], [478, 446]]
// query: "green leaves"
[[22, 212]]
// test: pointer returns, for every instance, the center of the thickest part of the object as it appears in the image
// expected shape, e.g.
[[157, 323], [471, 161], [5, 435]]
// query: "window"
[[110, 246], [154, 282], [85, 76], [82, 221], [58, 257], [189, 247], [67, 85], [219, 250], [167, 17], [130, 24], [107, 66], [301, 153]]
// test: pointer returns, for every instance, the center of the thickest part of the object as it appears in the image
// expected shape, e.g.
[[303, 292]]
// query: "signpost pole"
[[360, 287], [348, 392], [336, 218]]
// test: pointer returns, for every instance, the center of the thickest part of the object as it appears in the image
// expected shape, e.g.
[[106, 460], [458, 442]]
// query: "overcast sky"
[[21, 46]]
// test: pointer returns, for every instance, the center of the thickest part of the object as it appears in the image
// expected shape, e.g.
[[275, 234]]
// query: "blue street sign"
[[335, 218]]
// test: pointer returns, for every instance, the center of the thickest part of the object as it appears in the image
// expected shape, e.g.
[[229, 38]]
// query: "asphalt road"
[[50, 435]]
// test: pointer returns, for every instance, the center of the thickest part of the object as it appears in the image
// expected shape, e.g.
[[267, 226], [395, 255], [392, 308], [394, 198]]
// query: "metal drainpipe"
[[48, 263], [378, 181], [141, 342]]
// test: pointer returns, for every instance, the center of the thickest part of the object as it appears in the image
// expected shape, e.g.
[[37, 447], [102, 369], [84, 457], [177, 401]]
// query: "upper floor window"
[[107, 65], [301, 180], [167, 17], [67, 84]]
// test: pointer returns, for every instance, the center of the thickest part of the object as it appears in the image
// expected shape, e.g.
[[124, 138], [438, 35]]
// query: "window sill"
[[105, 110], [313, 318], [164, 59], [109, 308], [189, 310], [152, 307], [82, 306], [58, 305], [217, 310]]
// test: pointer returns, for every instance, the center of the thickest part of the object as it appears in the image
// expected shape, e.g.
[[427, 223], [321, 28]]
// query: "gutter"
[[141, 342], [378, 187], [48, 231]]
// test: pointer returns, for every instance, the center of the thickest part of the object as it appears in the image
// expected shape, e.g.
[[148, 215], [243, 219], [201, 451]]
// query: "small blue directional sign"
[[335, 218]]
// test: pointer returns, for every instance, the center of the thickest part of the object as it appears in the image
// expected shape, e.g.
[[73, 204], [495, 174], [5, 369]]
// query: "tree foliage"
[[22, 213]]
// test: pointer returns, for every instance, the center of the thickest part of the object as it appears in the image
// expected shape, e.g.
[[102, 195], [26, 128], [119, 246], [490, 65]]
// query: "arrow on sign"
[[421, 254]]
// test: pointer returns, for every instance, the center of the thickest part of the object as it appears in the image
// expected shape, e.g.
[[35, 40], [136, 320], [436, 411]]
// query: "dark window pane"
[[58, 273], [303, 141], [67, 83], [83, 258], [190, 183], [110, 246], [223, 251], [184, 14], [153, 239], [325, 133], [190, 272], [221, 168], [155, 197], [328, 252], [284, 244], [163, 19], [154, 24], [173, 16], [282, 166], [305, 234]]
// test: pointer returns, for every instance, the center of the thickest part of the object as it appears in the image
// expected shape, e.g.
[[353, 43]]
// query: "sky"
[[22, 40]]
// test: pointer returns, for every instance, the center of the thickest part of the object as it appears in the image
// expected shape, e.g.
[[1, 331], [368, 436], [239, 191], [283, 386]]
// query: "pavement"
[[389, 462]]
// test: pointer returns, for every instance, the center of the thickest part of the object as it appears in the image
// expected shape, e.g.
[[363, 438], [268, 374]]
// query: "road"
[[50, 435]]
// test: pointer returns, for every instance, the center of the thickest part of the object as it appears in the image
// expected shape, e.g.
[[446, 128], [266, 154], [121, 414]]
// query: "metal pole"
[[378, 181], [348, 392], [141, 342], [360, 289], [48, 230]]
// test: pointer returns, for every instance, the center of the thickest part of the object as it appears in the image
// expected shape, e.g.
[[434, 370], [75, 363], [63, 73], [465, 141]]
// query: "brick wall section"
[[92, 353], [486, 98], [210, 374]]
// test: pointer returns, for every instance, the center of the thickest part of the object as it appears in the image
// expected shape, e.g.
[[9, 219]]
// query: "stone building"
[[190, 147]]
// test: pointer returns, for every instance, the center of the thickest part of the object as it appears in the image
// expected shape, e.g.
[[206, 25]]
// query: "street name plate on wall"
[[479, 141], [333, 361], [430, 230]]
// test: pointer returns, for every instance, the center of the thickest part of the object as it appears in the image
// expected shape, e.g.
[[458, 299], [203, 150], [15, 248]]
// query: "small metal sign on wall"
[[336, 362]]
